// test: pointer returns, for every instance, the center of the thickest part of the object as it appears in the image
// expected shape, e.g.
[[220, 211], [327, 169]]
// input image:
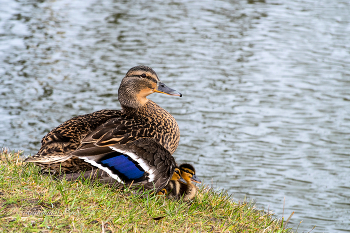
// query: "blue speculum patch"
[[124, 165]]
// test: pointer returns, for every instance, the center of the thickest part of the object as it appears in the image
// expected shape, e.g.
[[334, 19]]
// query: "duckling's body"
[[129, 146], [172, 189]]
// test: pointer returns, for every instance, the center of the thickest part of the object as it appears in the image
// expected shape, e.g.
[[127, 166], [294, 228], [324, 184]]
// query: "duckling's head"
[[176, 175], [188, 173], [138, 83]]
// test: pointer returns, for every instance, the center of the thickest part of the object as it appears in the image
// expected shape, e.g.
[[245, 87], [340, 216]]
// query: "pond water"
[[265, 84]]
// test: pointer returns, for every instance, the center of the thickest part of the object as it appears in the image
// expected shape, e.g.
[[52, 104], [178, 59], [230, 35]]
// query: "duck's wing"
[[142, 162], [121, 130], [57, 145]]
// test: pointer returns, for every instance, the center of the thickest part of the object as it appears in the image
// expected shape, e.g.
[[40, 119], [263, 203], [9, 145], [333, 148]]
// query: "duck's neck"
[[132, 98], [132, 103], [141, 110]]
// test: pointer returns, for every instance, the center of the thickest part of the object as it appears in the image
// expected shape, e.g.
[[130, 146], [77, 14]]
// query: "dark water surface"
[[266, 88]]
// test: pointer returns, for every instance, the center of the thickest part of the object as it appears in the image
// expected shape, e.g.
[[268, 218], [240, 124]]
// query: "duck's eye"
[[177, 172], [143, 75]]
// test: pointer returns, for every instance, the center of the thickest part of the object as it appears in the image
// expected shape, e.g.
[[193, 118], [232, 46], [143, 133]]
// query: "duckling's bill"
[[196, 179], [162, 88]]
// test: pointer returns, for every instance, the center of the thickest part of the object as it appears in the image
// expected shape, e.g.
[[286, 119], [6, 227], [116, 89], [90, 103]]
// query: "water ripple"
[[265, 84]]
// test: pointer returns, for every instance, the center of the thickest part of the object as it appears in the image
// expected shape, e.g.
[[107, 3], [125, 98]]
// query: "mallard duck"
[[180, 185], [131, 146]]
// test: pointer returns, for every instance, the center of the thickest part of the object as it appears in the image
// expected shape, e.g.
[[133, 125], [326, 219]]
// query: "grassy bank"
[[31, 202]]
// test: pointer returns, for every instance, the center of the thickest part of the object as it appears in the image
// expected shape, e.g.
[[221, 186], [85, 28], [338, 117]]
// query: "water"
[[266, 85]]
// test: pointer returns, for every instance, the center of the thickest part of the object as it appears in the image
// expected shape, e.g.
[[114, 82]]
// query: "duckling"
[[172, 189], [131, 146], [180, 185], [187, 189]]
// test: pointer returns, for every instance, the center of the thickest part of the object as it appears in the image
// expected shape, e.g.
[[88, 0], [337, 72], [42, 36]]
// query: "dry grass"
[[32, 202]]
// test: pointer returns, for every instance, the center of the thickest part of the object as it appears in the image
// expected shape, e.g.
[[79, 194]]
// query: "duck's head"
[[188, 173], [138, 83]]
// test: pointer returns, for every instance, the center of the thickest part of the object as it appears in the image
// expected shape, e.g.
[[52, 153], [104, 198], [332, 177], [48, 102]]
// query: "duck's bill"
[[182, 180], [162, 88], [196, 179]]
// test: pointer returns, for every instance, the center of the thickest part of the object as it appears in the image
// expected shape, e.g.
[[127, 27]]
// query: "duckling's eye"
[[189, 172], [177, 172], [143, 75]]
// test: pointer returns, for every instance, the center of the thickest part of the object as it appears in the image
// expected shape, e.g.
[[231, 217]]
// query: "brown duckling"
[[187, 189]]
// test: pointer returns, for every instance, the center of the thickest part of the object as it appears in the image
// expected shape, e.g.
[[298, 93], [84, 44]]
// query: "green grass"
[[32, 202]]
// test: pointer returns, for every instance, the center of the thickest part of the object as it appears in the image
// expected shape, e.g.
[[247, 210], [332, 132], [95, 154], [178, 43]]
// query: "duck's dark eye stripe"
[[152, 79], [148, 77]]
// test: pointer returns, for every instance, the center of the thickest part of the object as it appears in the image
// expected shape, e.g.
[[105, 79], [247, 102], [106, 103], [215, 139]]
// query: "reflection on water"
[[265, 112]]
